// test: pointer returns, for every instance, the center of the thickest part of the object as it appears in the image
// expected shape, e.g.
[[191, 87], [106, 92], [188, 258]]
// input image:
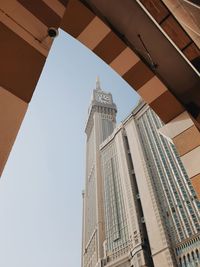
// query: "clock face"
[[103, 98]]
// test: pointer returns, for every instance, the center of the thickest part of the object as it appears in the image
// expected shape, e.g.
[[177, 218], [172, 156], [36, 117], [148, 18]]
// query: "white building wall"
[[157, 236]]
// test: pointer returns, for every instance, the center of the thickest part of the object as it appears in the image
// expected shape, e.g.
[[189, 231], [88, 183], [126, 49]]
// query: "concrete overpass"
[[152, 44]]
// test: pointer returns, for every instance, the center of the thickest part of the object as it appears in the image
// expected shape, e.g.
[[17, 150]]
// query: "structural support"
[[145, 45], [12, 111], [24, 46]]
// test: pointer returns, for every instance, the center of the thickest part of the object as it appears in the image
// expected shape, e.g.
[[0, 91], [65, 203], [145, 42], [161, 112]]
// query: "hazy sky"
[[40, 189]]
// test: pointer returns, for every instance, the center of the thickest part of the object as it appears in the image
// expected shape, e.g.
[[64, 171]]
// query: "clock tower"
[[100, 124], [103, 110]]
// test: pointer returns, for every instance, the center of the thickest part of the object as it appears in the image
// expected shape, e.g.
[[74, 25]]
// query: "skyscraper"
[[140, 208], [178, 205], [100, 124], [126, 240], [161, 192]]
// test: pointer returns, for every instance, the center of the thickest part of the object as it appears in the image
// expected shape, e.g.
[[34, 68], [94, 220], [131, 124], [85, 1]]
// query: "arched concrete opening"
[[141, 40]]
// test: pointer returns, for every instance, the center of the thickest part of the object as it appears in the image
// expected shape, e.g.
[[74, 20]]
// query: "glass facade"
[[116, 226], [107, 125], [178, 201]]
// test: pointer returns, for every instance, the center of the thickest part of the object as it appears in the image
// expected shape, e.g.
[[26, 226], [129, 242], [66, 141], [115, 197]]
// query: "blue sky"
[[40, 189]]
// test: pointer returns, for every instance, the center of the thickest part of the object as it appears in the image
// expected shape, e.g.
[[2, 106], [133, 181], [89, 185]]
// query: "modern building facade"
[[146, 232], [153, 174], [150, 214], [126, 240], [168, 182]]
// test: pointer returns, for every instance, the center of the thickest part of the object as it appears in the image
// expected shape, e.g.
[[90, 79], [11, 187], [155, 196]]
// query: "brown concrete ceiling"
[[193, 10], [42, 11], [172, 68], [21, 64], [123, 33]]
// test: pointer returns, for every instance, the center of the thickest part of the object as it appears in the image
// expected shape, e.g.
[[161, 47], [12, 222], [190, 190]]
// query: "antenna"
[[98, 86]]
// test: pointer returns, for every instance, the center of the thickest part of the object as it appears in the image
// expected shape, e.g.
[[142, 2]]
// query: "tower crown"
[[101, 102], [100, 97]]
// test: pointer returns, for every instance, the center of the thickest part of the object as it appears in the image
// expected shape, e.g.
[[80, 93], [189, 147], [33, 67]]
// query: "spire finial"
[[98, 87]]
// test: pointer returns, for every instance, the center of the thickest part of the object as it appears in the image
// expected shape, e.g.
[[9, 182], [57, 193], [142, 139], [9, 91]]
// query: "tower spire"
[[98, 86]]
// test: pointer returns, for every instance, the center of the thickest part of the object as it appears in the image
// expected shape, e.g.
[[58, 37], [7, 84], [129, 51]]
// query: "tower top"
[[98, 86], [101, 102]]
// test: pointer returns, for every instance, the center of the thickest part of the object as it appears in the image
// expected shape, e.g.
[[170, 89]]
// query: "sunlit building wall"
[[148, 169], [126, 240], [141, 236], [178, 206]]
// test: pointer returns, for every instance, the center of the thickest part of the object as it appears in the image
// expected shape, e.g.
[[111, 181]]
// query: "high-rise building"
[[100, 124], [152, 174], [126, 241], [146, 242], [177, 201], [140, 208]]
